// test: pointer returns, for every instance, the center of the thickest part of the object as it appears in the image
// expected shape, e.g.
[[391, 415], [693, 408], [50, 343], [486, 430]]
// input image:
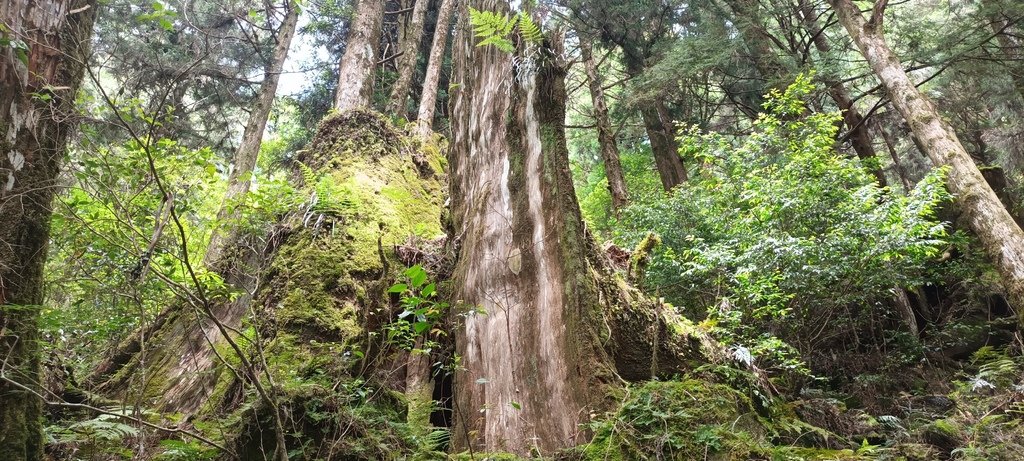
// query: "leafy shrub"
[[778, 235]]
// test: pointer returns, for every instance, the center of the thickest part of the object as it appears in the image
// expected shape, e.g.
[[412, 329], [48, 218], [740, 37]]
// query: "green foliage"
[[421, 311], [18, 46], [496, 29], [115, 245], [325, 194], [176, 450], [778, 234], [103, 435]]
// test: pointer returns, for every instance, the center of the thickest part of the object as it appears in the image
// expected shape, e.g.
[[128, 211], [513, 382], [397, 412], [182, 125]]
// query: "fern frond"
[[529, 29]]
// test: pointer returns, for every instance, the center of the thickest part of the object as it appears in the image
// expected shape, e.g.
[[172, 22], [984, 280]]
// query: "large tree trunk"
[[605, 133], [412, 31], [248, 151], [355, 78], [534, 367], [428, 97], [536, 364], [988, 218], [54, 39]]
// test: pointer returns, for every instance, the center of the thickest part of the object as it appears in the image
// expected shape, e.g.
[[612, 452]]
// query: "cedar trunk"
[[412, 31], [661, 131], [534, 366], [428, 97], [662, 134], [355, 77], [988, 218], [605, 134], [38, 86]]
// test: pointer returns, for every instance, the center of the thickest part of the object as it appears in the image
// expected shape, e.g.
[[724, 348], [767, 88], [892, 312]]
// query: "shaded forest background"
[[715, 229]]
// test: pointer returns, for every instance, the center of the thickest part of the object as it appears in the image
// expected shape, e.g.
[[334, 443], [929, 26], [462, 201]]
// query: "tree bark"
[[661, 131], [428, 97], [890, 145], [248, 151], [40, 74], [534, 367], [988, 218], [560, 328], [355, 77], [605, 133], [412, 32], [662, 135]]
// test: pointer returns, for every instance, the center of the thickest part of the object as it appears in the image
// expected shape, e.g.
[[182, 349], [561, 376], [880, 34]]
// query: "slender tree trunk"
[[890, 145], [412, 32], [605, 133], [355, 79], [988, 218], [860, 137], [661, 133], [428, 97], [248, 151], [33, 137]]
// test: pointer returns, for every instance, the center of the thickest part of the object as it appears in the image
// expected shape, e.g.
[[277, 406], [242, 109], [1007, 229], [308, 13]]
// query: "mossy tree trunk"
[[41, 70], [1001, 237], [168, 363], [411, 32], [428, 97], [355, 78]]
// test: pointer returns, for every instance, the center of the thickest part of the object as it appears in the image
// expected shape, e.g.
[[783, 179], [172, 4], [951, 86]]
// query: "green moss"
[[641, 256], [494, 456], [687, 419], [327, 281]]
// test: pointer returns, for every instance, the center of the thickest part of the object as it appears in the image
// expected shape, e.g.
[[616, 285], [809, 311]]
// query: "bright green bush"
[[777, 234]]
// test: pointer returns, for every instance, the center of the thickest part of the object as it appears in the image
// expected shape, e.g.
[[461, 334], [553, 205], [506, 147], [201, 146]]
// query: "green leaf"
[[417, 275], [398, 288]]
